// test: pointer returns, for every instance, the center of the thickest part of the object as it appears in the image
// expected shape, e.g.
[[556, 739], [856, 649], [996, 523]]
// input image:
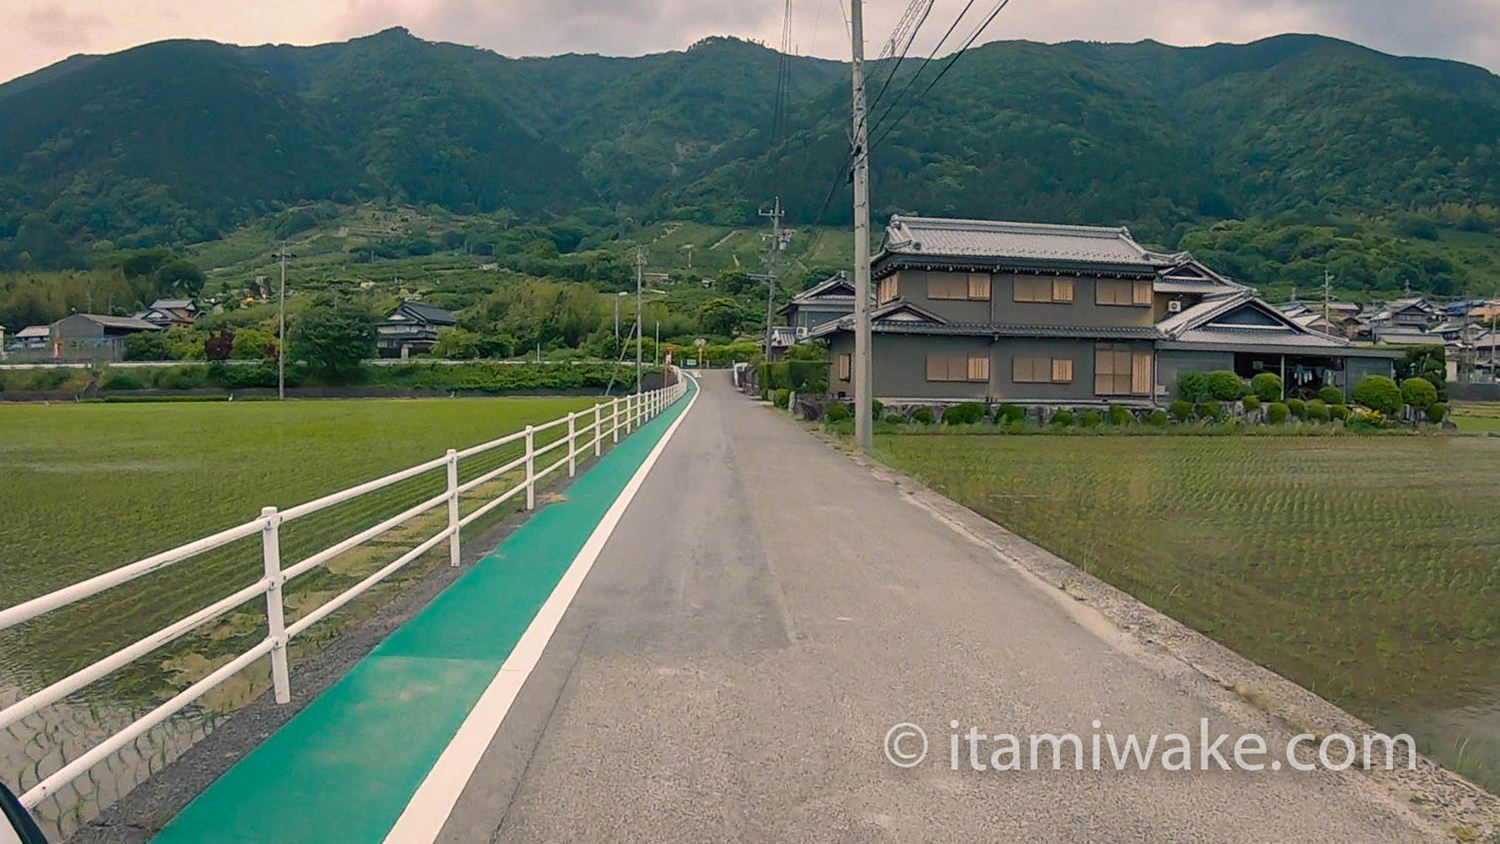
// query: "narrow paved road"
[[767, 609]]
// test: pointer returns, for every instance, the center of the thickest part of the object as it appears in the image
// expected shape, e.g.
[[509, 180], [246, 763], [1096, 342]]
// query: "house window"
[[1111, 291], [1041, 370], [947, 286], [979, 286], [1054, 290], [846, 366], [1119, 371], [887, 291], [958, 368]]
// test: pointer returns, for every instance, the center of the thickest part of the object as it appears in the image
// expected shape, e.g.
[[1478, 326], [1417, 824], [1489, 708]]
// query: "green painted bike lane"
[[344, 768]]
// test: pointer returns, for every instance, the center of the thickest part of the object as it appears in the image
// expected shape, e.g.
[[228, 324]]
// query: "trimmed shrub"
[[1266, 386], [895, 419], [922, 416], [1158, 418], [1120, 416], [967, 413], [1011, 414], [1331, 395], [1419, 393], [1437, 412], [180, 377], [1379, 394], [1181, 410], [1209, 410], [1193, 387], [1317, 410], [119, 379], [1338, 412], [1090, 419], [1224, 385], [1298, 407], [783, 398], [836, 413], [1062, 417], [876, 409], [1366, 420], [1252, 404], [1277, 413]]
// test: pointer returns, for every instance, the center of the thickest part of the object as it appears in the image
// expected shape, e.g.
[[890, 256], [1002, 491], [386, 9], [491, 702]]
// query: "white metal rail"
[[585, 430]]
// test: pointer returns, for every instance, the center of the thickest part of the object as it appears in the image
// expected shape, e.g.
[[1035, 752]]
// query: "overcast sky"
[[35, 33]]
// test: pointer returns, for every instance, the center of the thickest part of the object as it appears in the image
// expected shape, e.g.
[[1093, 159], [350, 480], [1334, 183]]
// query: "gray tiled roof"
[[121, 322], [932, 236], [1258, 337], [985, 329]]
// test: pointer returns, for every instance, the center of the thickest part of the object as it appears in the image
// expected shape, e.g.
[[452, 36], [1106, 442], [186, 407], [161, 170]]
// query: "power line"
[[912, 80], [905, 34]]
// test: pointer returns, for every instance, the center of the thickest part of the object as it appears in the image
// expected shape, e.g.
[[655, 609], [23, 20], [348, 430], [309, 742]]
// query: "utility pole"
[[656, 349], [775, 214], [281, 331], [640, 271], [689, 249], [863, 371], [1327, 292]]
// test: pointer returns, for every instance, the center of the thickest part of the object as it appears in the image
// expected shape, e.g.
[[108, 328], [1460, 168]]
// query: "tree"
[[219, 347], [253, 344], [1427, 362], [179, 276], [148, 345], [720, 316], [333, 335]]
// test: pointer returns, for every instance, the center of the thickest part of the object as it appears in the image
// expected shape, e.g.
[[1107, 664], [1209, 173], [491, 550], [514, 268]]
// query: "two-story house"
[[974, 310]]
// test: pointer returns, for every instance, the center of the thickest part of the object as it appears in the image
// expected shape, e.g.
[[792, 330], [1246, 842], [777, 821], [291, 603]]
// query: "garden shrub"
[[1331, 395], [1366, 420], [922, 415], [895, 419], [1062, 417], [1252, 404], [1120, 416], [783, 398], [1266, 386], [1298, 407], [47, 379], [1157, 419], [967, 413], [1209, 410], [836, 413], [1379, 394], [1437, 412], [876, 408], [1277, 413], [1090, 419], [120, 379], [180, 377], [1011, 414], [1338, 412], [1224, 385], [1193, 386], [1317, 410], [1181, 410], [1419, 393]]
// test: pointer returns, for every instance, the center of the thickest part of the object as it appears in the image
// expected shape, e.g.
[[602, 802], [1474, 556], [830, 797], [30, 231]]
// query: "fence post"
[[453, 546], [270, 537], [614, 419], [598, 427], [530, 468], [572, 445]]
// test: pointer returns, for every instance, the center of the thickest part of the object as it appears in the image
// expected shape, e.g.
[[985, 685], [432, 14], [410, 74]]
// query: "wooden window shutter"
[[1062, 370], [1140, 374], [846, 366], [1062, 290], [1142, 293], [979, 368], [1020, 369], [937, 368], [979, 286]]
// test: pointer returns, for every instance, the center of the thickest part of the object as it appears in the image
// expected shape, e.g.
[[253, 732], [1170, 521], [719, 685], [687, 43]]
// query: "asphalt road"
[[767, 609]]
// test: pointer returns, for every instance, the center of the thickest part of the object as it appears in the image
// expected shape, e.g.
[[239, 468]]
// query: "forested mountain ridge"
[[177, 142]]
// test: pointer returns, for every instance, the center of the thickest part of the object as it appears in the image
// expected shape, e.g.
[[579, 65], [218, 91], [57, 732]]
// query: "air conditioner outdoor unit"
[[1174, 307], [801, 332]]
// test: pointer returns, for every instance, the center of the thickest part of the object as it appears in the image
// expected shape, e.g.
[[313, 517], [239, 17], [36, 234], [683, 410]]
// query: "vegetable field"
[[1367, 569]]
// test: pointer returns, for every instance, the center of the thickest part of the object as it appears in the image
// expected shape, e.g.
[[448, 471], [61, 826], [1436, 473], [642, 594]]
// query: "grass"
[[89, 487], [1477, 417], [1362, 568]]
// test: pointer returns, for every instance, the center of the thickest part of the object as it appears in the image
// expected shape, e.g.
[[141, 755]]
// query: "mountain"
[[179, 141]]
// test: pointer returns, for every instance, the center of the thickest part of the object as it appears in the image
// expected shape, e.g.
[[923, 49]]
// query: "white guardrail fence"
[[606, 419]]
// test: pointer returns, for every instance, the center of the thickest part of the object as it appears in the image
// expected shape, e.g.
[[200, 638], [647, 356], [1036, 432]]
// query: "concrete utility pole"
[[640, 270], [281, 331], [863, 371], [1327, 292], [775, 214]]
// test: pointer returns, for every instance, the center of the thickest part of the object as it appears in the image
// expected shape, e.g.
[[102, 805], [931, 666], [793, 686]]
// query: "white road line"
[[434, 799]]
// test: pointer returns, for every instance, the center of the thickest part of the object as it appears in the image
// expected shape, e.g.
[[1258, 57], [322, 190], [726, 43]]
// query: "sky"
[[35, 33]]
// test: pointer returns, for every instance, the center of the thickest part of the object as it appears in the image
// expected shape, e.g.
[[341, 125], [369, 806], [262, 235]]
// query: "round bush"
[[1338, 412], [1277, 413], [1419, 393], [1193, 386], [1209, 410], [1266, 386], [1062, 417], [876, 408], [1252, 404], [1120, 416], [119, 379], [1331, 395], [1157, 419], [895, 419], [1317, 410], [783, 398], [1181, 410], [1012, 414], [1437, 412], [836, 413], [1298, 407], [967, 413], [1090, 419], [922, 416], [1224, 385], [1379, 394]]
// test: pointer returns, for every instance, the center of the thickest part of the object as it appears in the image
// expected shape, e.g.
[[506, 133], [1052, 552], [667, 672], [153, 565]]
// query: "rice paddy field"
[[1364, 568]]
